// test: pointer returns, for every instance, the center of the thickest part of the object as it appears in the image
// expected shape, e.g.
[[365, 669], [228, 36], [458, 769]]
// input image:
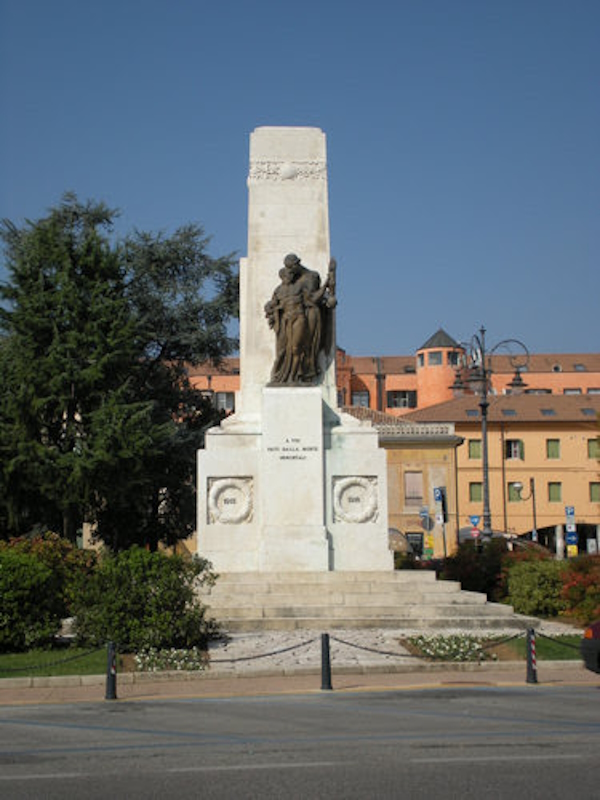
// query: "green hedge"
[[30, 606], [535, 587], [140, 599]]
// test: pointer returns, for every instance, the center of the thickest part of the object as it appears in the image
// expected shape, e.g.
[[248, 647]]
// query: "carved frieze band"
[[355, 499], [278, 171], [230, 500]]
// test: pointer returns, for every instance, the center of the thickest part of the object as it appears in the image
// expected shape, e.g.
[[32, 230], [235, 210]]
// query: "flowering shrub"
[[154, 660], [459, 647], [581, 588]]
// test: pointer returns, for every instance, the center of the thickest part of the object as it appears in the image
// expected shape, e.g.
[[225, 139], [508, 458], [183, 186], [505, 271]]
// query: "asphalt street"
[[446, 742]]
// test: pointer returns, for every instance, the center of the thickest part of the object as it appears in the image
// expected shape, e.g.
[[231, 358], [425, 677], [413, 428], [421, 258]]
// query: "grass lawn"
[[558, 648], [58, 661]]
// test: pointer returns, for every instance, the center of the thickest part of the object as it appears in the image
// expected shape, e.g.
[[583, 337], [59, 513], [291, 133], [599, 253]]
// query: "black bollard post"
[[531, 657], [325, 663], [111, 672]]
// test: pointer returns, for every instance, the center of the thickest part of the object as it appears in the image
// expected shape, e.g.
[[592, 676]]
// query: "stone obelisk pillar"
[[288, 212]]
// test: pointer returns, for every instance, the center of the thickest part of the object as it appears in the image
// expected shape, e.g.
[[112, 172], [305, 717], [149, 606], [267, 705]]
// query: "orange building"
[[399, 384]]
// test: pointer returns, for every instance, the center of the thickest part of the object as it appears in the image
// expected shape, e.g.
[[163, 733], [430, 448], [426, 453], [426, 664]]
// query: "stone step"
[[335, 599], [397, 577], [374, 612], [287, 601], [400, 623]]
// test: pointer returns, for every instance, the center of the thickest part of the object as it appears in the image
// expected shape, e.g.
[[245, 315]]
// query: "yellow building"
[[422, 487], [543, 453]]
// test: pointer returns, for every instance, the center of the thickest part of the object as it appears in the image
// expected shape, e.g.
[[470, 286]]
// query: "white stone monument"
[[289, 483]]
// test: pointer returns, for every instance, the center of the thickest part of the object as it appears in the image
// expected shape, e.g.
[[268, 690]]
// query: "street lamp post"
[[477, 362], [530, 496]]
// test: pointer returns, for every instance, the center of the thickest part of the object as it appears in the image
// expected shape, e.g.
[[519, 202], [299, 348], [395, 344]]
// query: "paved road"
[[452, 742]]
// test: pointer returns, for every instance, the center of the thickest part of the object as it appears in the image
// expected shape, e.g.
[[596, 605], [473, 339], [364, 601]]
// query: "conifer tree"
[[97, 420]]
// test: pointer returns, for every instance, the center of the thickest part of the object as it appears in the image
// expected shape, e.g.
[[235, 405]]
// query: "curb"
[[129, 678]]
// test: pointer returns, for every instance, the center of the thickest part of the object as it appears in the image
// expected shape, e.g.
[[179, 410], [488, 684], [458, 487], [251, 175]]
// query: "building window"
[[420, 360], [474, 448], [360, 399], [552, 448], [571, 391], [555, 492], [402, 399], [341, 397], [453, 358], [594, 448], [594, 492], [475, 492], [538, 391], [434, 359], [593, 391], [513, 448], [514, 492], [413, 488], [225, 401]]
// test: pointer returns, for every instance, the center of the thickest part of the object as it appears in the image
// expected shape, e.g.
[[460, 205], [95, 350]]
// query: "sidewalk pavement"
[[290, 662]]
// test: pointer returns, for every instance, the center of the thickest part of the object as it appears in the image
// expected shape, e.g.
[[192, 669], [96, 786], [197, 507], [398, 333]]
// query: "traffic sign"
[[474, 520], [570, 511], [475, 533], [572, 538], [424, 512], [437, 495], [571, 527]]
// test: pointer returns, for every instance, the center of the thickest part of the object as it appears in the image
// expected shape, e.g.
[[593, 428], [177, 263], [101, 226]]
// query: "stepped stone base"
[[405, 599]]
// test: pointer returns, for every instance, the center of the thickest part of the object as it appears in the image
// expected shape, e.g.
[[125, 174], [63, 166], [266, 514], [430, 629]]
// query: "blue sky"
[[463, 143]]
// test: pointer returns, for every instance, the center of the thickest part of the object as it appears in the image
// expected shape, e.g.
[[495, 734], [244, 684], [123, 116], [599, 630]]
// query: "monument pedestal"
[[306, 493]]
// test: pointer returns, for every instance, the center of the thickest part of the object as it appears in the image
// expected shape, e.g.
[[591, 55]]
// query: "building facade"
[[544, 464], [542, 439]]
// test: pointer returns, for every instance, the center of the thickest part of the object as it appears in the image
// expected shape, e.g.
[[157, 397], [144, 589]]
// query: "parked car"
[[590, 647]]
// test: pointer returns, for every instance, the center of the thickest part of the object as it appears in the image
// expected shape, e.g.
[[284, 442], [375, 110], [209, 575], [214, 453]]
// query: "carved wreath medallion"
[[230, 500], [355, 499]]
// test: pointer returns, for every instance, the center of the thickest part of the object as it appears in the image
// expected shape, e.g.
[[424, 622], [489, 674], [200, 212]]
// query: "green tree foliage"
[[29, 602], [98, 422], [141, 599]]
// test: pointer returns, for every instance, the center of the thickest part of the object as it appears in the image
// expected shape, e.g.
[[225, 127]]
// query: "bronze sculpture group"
[[301, 314]]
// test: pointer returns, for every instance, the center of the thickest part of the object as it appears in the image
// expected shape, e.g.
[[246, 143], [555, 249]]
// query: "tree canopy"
[[98, 422]]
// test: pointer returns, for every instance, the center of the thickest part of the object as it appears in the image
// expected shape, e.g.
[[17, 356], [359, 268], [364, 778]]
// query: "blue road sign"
[[572, 538], [437, 495], [474, 520], [570, 511]]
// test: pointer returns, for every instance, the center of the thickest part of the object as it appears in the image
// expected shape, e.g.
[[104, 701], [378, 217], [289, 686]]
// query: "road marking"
[[44, 777], [470, 759], [241, 767]]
